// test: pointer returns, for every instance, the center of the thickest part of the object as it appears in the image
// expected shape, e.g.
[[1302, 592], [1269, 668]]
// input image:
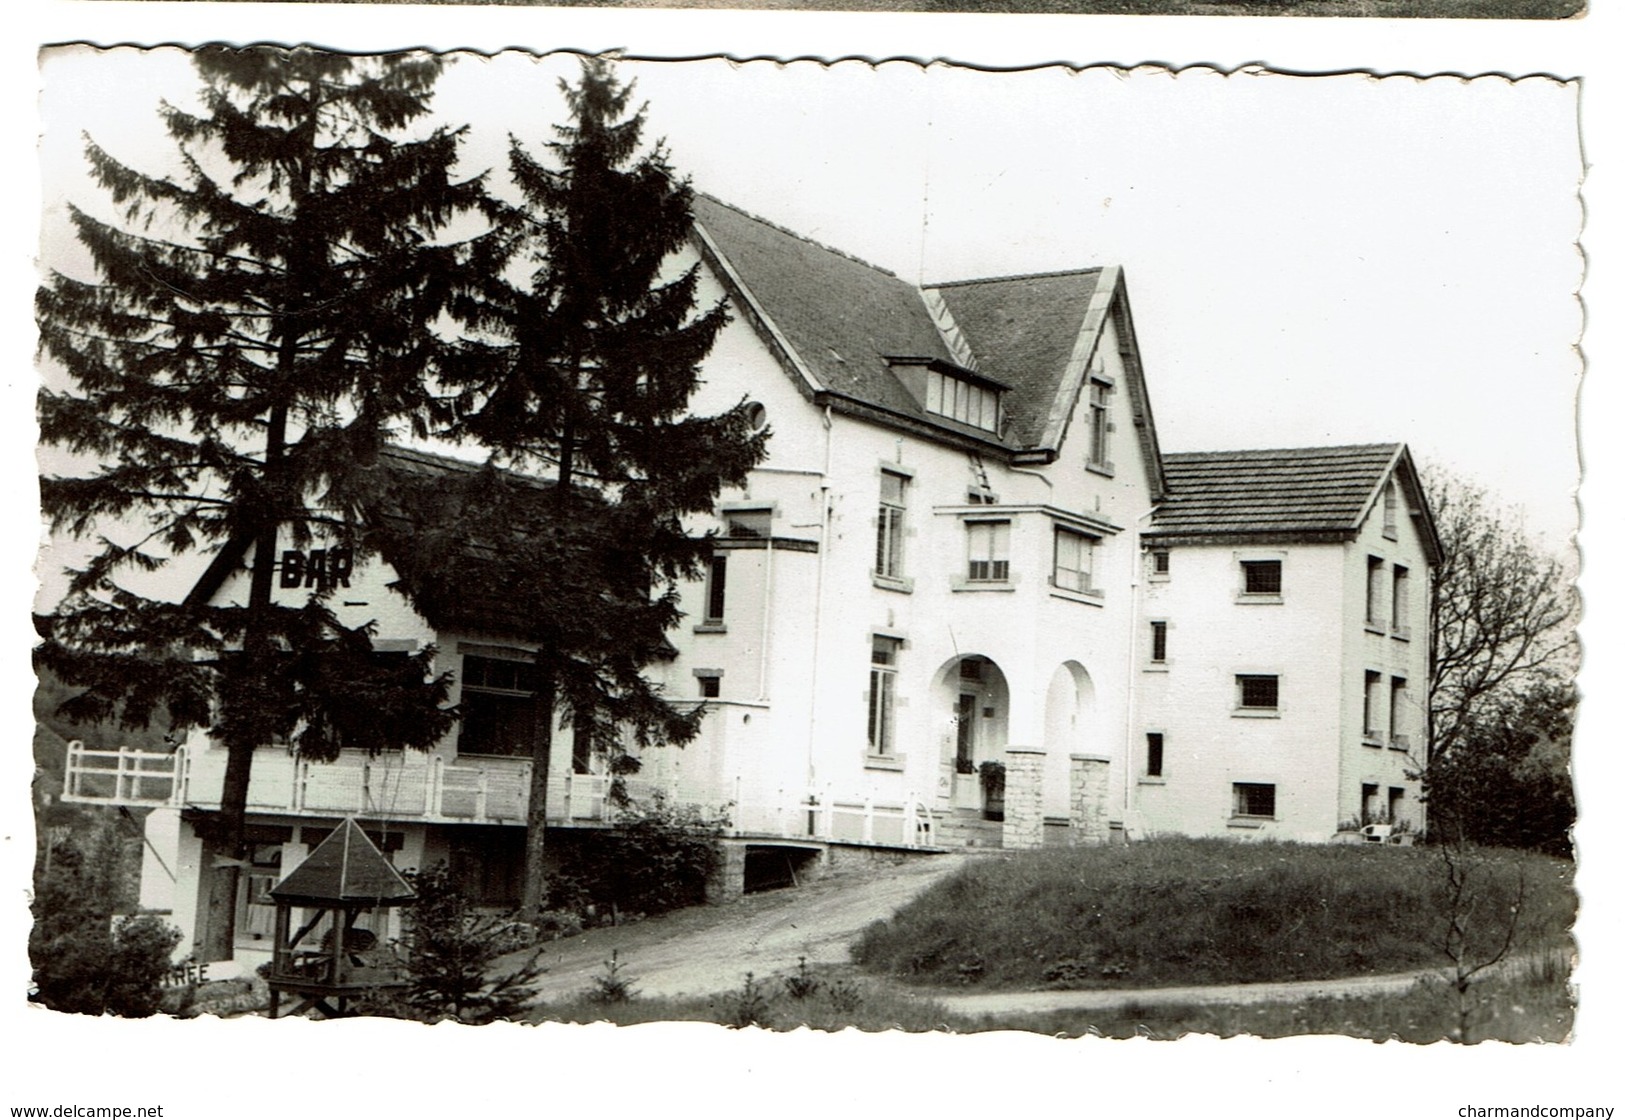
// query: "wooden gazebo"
[[343, 878]]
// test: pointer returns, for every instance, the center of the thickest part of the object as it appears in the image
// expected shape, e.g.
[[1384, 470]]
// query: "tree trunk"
[[534, 899], [226, 849]]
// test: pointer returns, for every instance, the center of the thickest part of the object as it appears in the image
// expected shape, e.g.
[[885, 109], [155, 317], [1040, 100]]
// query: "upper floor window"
[[1261, 577], [889, 527], [1100, 423], [989, 549], [1400, 621], [1161, 563], [1373, 591], [1371, 706], [1390, 511], [716, 589], [749, 523], [1398, 732], [1159, 642], [1258, 692], [957, 399], [1074, 560], [498, 706]]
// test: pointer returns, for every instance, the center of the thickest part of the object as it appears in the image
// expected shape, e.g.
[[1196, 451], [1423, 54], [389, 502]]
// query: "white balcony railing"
[[411, 786]]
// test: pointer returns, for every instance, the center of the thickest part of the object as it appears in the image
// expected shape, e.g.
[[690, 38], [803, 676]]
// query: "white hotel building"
[[965, 546]]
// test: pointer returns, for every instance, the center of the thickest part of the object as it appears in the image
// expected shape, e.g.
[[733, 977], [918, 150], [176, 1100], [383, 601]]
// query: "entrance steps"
[[965, 828]]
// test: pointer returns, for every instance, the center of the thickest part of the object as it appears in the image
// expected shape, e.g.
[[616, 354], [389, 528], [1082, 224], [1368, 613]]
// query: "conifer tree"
[[585, 380], [258, 327]]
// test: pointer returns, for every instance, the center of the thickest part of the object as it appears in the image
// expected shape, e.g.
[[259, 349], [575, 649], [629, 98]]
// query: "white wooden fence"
[[409, 786]]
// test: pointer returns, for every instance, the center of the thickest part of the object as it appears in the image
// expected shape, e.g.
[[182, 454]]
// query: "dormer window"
[[960, 399]]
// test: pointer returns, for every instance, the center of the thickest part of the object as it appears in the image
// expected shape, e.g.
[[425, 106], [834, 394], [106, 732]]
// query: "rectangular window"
[[889, 528], [1159, 562], [1373, 591], [583, 743], [1397, 736], [1153, 754], [749, 523], [710, 685], [716, 590], [1373, 702], [989, 547], [1159, 642], [882, 695], [1253, 799], [498, 707], [1396, 804], [1074, 560], [1100, 423], [1390, 511], [1261, 577], [1258, 692], [1400, 614]]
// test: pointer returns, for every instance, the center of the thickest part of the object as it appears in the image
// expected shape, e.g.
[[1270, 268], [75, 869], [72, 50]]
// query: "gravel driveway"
[[708, 949]]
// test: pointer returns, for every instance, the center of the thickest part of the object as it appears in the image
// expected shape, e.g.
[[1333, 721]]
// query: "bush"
[[659, 858], [85, 962], [451, 948], [92, 968]]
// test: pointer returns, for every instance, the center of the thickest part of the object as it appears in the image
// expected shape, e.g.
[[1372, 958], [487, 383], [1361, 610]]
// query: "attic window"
[[958, 399]]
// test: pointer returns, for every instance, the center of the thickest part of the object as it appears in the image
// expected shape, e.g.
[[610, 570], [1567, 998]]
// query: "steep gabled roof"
[[1322, 493], [345, 867], [1023, 330], [838, 325]]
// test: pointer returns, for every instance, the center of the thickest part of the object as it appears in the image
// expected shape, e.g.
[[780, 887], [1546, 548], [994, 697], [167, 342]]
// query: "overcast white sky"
[[1310, 260]]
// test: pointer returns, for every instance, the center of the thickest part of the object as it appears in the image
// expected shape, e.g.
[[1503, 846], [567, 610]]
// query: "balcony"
[[412, 786]]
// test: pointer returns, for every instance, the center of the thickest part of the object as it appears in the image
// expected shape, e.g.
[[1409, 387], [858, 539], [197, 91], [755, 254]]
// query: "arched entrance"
[[972, 700], [1069, 706]]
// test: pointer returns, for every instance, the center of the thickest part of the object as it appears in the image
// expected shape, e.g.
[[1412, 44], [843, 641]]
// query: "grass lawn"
[[1176, 912]]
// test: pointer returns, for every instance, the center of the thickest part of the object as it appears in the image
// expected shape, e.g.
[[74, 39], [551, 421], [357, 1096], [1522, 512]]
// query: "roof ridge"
[[1095, 269], [801, 237], [1389, 447]]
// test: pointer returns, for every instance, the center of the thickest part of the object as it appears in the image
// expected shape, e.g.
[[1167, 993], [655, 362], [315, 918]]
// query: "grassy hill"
[[1177, 911]]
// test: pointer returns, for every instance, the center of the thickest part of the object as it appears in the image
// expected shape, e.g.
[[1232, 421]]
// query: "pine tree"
[[585, 380], [259, 326]]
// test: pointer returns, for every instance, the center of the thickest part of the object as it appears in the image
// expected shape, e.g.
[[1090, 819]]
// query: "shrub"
[[451, 949], [611, 985], [94, 969], [660, 857], [85, 962]]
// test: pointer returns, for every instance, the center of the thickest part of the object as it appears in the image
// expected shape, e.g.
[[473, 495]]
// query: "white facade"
[[1340, 746], [895, 601]]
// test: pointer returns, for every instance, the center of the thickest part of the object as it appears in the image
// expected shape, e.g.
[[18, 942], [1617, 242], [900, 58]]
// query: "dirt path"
[[710, 948], [1294, 991]]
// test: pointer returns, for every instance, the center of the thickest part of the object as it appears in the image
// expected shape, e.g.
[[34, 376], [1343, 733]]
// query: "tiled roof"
[[843, 318], [345, 867], [1257, 493], [1023, 330]]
